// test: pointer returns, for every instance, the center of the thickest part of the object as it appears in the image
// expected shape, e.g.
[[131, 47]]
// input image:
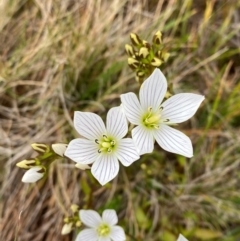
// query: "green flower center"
[[103, 230], [106, 144], [153, 119]]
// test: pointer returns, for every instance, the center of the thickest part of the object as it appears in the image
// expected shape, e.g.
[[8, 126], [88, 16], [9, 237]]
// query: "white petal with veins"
[[109, 216], [90, 218], [153, 90], [127, 151], [181, 107], [105, 168], [89, 125], [82, 151], [173, 141], [117, 125], [143, 139], [132, 108]]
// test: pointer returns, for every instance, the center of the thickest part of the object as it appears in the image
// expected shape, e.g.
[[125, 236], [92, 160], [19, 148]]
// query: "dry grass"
[[61, 56]]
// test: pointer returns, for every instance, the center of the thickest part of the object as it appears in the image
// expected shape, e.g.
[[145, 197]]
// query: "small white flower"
[[33, 175], [181, 238], [82, 166], [153, 117], [100, 228], [59, 148], [104, 146]]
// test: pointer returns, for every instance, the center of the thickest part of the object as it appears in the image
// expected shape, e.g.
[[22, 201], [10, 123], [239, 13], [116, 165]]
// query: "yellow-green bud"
[[66, 220], [140, 73], [156, 62], [165, 56], [143, 52], [157, 38], [129, 50], [40, 147], [133, 63], [78, 224], [135, 39], [74, 208], [26, 164]]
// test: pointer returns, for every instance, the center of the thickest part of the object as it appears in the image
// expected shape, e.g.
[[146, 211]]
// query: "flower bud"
[[40, 147], [135, 39], [129, 50], [59, 148], [26, 164], [140, 73], [82, 166], [156, 62], [33, 174], [78, 224], [165, 56], [133, 63], [157, 38], [67, 228], [143, 52], [74, 208]]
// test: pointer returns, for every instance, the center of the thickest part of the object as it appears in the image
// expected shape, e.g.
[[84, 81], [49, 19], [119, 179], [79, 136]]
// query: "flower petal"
[[132, 108], [90, 218], [181, 238], [89, 125], [104, 239], [105, 168], [153, 90], [117, 234], [82, 166], [127, 151], [143, 139], [117, 125], [109, 216], [87, 234], [173, 141], [32, 175], [82, 151], [181, 107], [59, 148]]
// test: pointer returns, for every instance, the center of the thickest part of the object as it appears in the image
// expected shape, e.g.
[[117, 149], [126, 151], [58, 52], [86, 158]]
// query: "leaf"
[[206, 234]]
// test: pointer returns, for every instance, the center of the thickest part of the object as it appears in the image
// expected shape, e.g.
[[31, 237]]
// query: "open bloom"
[[153, 117], [33, 175], [103, 146], [181, 238], [100, 229]]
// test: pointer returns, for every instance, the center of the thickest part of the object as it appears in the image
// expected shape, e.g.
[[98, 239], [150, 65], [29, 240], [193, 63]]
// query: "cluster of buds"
[[71, 222], [145, 57], [36, 167]]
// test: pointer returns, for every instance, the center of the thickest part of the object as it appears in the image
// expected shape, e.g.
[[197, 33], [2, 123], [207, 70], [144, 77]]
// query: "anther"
[[167, 120], [161, 108], [96, 140], [99, 151]]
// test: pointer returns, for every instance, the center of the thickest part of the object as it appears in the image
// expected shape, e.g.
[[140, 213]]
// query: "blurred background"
[[58, 56]]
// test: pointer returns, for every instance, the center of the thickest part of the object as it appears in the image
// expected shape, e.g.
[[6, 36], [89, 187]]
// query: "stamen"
[[109, 150], [97, 141], [99, 151], [167, 120], [161, 108]]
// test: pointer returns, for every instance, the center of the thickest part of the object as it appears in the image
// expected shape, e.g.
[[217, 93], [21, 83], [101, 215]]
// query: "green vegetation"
[[60, 56]]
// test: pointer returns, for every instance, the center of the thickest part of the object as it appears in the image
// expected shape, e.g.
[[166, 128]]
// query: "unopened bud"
[[129, 50], [156, 62], [82, 166], [67, 228], [133, 63], [59, 148], [140, 73], [26, 164], [143, 52], [135, 39], [74, 208], [78, 224], [146, 44], [157, 38], [33, 174], [40, 147], [165, 56]]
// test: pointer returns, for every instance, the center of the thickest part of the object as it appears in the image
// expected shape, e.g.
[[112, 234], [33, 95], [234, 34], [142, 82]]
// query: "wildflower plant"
[[101, 147]]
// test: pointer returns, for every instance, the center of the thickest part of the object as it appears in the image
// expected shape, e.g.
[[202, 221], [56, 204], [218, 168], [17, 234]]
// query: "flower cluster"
[[103, 146], [145, 57]]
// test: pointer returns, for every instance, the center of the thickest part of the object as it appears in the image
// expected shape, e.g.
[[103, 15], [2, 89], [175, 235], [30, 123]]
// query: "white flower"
[[103, 146], [82, 166], [33, 175], [153, 117], [181, 238], [100, 229]]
